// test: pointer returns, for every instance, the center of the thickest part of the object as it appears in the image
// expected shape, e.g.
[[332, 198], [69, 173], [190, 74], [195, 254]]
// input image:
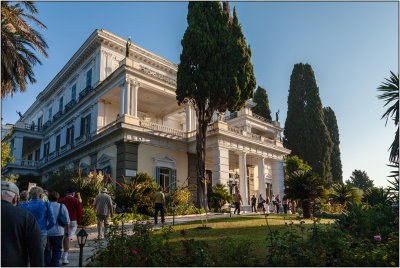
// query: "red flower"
[[183, 232]]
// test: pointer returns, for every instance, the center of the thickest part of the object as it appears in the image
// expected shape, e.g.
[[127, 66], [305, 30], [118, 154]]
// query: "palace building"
[[119, 114]]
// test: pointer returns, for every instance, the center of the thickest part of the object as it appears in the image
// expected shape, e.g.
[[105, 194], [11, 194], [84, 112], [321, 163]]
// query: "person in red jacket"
[[75, 214]]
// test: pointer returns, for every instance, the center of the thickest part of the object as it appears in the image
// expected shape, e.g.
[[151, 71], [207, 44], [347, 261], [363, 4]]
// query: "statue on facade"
[[277, 116], [128, 45]]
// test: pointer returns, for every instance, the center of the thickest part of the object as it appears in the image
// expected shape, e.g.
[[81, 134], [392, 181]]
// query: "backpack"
[[60, 221]]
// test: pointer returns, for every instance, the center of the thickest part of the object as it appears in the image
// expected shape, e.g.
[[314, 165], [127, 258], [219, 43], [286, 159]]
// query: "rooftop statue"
[[128, 45], [277, 116]]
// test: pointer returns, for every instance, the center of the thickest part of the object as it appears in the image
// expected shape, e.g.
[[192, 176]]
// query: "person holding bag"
[[52, 254]]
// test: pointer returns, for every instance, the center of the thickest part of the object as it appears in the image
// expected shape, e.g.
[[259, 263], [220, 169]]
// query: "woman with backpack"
[[52, 254]]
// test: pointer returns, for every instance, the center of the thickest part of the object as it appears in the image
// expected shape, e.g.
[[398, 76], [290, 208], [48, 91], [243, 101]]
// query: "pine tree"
[[360, 179], [214, 73], [262, 107], [336, 162], [305, 131]]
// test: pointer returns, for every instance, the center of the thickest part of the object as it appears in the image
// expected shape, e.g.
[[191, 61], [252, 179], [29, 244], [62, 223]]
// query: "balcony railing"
[[259, 117], [57, 115], [69, 105], [29, 163], [162, 128], [85, 92], [47, 124], [33, 127]]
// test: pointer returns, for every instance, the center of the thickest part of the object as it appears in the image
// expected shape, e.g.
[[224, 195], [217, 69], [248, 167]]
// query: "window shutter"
[[89, 78], [173, 179], [157, 174], [72, 134], [82, 126], [88, 120]]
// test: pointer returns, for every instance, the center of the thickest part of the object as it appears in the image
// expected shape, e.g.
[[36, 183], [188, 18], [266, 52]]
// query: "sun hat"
[[9, 186]]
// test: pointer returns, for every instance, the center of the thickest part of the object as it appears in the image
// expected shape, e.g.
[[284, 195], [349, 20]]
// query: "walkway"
[[89, 249]]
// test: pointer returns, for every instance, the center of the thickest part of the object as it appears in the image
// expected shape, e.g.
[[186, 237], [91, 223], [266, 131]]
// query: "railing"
[[231, 116], [259, 117], [47, 124], [162, 128], [69, 105], [85, 92], [33, 127], [26, 163], [235, 130], [57, 115]]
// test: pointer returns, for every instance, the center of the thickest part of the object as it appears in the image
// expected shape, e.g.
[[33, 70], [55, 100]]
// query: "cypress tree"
[[262, 107], [336, 162], [214, 73], [305, 131]]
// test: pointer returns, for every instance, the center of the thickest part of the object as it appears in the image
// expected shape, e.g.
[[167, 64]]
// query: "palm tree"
[[390, 93], [377, 196], [344, 193], [18, 39]]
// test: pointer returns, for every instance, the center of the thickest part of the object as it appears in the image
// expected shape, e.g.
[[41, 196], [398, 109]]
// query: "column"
[[126, 98], [188, 118], [121, 99], [17, 150], [100, 114], [134, 98], [220, 165], [277, 178], [261, 177], [243, 178]]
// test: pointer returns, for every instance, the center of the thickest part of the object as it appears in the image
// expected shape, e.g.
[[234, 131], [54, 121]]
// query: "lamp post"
[[82, 237], [123, 217], [173, 214]]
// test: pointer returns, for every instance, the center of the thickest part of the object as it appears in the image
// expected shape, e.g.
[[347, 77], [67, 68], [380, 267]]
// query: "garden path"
[[90, 247]]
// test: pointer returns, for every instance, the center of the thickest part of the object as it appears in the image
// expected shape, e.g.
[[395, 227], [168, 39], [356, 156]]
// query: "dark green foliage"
[[303, 185], [214, 73], [336, 162], [377, 196], [88, 217], [24, 180], [59, 180], [262, 107], [305, 131], [235, 253], [345, 193], [390, 93], [360, 180], [219, 196]]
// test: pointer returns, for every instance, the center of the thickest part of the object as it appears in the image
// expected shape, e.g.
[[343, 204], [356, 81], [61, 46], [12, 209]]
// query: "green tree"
[[305, 131], [18, 38], [377, 196], [262, 107], [214, 73], [345, 193], [219, 196], [332, 126], [360, 180], [6, 156], [390, 93], [303, 185]]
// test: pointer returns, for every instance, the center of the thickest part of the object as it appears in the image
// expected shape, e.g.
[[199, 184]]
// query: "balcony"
[[69, 105], [47, 124], [85, 92], [57, 115]]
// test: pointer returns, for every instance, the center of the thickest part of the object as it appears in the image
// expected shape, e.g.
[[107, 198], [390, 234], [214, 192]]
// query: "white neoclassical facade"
[[120, 115]]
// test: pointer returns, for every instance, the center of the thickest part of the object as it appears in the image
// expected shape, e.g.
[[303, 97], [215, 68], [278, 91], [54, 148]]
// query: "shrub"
[[182, 199], [89, 186], [218, 197], [137, 196], [88, 217]]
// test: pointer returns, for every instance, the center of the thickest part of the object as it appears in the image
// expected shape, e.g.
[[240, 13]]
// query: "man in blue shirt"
[[42, 211]]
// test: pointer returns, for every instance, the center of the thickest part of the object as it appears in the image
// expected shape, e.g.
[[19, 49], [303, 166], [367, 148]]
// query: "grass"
[[252, 228]]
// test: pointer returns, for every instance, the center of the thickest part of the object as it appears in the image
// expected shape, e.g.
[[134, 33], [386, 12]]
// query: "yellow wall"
[[146, 154]]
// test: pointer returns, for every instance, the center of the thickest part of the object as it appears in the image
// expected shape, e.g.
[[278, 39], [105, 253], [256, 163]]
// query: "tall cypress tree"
[[336, 162], [262, 107], [214, 73], [305, 131]]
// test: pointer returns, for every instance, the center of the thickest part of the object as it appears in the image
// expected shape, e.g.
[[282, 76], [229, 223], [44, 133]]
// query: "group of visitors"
[[35, 231], [263, 205]]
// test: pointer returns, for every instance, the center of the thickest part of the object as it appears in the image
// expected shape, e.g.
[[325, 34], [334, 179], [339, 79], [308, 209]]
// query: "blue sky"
[[351, 47]]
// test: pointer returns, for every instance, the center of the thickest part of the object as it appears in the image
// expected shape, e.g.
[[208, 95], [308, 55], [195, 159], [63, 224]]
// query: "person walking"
[[103, 208], [273, 203], [253, 203], [267, 204], [74, 208], [237, 198], [21, 237], [260, 206], [42, 212], [285, 205], [23, 197], [277, 203], [159, 205], [52, 253]]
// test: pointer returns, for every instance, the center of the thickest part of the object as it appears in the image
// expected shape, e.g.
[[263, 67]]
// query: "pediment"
[[165, 161], [104, 159]]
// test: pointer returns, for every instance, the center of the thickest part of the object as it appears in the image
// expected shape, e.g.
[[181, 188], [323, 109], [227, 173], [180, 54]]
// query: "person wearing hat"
[[103, 208], [21, 238], [74, 208]]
